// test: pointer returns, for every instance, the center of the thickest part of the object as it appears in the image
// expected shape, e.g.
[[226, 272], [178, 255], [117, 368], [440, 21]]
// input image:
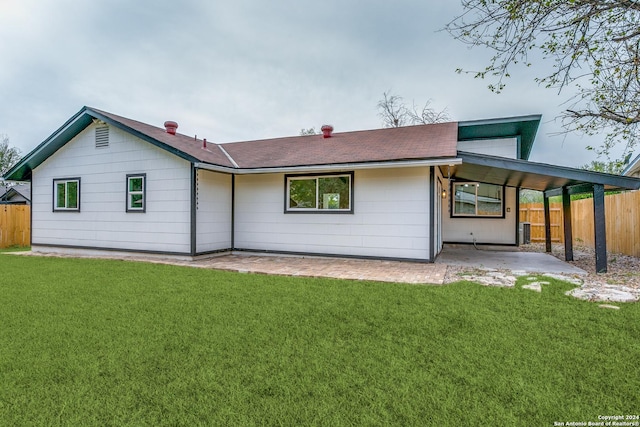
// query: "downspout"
[[31, 212], [194, 208], [432, 214], [233, 212], [518, 216]]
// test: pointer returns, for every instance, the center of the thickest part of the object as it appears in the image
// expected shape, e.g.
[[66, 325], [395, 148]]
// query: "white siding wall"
[[391, 217], [506, 147], [213, 229], [485, 230], [102, 221]]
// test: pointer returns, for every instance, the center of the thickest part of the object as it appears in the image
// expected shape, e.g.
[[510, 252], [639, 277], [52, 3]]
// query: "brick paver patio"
[[339, 268]]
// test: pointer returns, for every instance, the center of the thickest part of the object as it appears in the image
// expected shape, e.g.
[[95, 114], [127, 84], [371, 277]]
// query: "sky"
[[247, 69]]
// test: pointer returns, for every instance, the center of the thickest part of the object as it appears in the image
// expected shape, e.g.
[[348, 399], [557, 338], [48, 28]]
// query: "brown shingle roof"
[[186, 144], [405, 143], [380, 145]]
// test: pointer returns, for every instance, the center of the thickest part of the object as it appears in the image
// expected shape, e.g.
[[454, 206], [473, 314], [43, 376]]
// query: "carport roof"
[[533, 176]]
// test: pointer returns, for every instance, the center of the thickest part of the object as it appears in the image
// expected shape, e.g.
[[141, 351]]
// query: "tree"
[[310, 131], [594, 46], [395, 113], [614, 167], [9, 156]]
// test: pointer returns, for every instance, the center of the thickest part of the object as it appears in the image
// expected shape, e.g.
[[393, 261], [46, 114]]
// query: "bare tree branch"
[[394, 113], [392, 110]]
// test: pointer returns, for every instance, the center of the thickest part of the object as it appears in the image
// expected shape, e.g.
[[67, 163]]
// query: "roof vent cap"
[[326, 131], [171, 127]]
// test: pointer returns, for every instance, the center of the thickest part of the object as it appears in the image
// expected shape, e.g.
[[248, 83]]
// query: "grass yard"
[[100, 342], [15, 248]]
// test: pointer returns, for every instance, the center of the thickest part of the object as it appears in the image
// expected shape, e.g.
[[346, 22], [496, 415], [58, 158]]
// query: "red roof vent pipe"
[[326, 131], [170, 127]]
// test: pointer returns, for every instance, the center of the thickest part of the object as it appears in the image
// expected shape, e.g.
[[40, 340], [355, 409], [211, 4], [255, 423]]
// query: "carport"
[[552, 180]]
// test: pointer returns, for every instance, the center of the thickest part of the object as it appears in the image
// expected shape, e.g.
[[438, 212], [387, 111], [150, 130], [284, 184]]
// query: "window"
[[136, 185], [476, 199], [324, 193], [66, 194]]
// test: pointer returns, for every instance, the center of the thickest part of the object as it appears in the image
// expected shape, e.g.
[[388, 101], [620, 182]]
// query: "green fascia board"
[[76, 124], [524, 128]]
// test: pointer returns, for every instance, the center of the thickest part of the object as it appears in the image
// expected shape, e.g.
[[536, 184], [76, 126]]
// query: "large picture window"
[[477, 199], [66, 194], [319, 193], [136, 186]]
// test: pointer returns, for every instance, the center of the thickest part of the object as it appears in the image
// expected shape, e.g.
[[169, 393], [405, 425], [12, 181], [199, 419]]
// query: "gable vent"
[[102, 136]]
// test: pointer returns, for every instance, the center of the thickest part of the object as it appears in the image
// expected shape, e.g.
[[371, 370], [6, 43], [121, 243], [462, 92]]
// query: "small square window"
[[136, 188], [66, 194]]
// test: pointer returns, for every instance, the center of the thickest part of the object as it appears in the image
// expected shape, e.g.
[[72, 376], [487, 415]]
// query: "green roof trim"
[[76, 124], [524, 128]]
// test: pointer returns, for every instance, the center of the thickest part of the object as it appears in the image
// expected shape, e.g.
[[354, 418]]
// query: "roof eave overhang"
[[524, 128], [76, 124], [332, 167], [540, 176]]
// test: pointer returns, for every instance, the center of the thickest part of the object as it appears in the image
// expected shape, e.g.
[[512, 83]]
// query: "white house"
[[633, 168], [107, 183]]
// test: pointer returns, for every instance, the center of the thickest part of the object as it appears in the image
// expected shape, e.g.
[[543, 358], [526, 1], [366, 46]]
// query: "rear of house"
[[107, 183]]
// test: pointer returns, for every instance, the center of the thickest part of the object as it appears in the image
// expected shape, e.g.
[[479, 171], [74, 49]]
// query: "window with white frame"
[[478, 199], [319, 193], [136, 186], [66, 194]]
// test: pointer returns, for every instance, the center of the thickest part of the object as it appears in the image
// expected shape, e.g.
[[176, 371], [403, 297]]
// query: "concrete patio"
[[504, 258]]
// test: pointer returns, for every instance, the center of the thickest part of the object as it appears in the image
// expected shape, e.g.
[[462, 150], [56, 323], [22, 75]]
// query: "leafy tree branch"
[[594, 46]]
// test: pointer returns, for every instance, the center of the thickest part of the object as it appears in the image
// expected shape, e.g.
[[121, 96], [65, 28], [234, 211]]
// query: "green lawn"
[[100, 342], [15, 248]]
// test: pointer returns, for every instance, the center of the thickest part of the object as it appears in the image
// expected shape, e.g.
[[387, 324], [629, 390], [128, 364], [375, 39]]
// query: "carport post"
[[600, 231], [547, 223], [568, 235]]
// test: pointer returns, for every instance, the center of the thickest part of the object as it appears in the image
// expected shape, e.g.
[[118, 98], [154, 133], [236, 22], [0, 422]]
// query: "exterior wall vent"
[[102, 136]]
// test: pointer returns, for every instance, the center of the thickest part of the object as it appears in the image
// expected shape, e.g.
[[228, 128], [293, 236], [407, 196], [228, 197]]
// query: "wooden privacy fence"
[[622, 216], [15, 229], [533, 213]]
